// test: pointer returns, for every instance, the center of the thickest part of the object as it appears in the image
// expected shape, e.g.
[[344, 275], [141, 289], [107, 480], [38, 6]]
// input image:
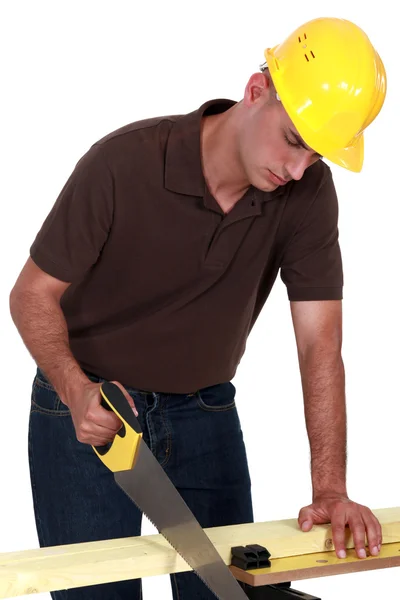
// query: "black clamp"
[[249, 557], [255, 556]]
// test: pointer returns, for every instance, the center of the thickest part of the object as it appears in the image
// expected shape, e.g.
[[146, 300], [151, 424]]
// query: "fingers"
[[305, 519], [96, 440], [339, 533], [92, 431], [107, 419], [357, 527], [365, 529], [374, 531], [98, 425], [99, 417]]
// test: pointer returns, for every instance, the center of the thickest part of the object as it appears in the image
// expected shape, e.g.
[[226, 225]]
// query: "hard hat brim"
[[352, 157]]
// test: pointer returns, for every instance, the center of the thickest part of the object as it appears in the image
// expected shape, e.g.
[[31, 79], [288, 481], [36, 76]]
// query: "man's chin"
[[265, 185]]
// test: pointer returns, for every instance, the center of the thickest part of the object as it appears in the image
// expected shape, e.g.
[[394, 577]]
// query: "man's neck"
[[221, 164]]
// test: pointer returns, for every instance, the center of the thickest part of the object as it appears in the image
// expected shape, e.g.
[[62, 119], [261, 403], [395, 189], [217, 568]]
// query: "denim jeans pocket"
[[45, 399], [217, 398]]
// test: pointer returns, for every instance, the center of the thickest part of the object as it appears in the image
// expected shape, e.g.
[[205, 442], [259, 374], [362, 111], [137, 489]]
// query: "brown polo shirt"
[[165, 288]]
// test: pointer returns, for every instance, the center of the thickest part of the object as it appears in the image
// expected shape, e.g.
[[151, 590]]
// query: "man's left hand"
[[340, 511]]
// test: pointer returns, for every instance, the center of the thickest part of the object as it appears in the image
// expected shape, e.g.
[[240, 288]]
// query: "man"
[[153, 266]]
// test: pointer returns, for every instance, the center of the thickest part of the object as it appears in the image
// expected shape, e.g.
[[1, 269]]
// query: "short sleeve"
[[311, 267], [76, 229]]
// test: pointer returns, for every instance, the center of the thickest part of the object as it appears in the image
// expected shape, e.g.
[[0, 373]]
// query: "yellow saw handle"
[[121, 454]]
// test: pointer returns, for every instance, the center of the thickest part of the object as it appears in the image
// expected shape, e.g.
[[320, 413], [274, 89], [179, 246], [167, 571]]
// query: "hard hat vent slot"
[[312, 54], [302, 41]]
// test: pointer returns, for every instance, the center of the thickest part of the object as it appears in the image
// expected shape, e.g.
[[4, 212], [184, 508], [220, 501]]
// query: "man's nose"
[[298, 165]]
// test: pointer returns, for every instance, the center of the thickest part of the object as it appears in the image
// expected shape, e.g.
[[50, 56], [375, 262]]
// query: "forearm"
[[323, 380], [43, 329]]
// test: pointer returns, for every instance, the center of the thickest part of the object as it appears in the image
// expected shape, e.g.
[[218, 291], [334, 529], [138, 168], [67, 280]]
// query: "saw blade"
[[149, 487]]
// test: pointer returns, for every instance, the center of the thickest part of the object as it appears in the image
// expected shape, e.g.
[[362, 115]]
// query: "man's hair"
[[265, 71]]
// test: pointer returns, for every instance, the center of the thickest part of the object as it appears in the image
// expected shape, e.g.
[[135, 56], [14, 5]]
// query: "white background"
[[72, 72]]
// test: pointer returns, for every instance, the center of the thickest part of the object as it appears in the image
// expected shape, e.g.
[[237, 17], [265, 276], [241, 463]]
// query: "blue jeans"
[[195, 437]]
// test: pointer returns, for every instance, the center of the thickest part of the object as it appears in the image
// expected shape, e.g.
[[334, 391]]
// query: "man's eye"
[[293, 144]]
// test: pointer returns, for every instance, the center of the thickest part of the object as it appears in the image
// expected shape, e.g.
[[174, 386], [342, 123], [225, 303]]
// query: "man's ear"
[[256, 89]]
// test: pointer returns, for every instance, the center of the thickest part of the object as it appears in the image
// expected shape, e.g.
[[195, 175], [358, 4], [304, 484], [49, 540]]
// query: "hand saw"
[[141, 477]]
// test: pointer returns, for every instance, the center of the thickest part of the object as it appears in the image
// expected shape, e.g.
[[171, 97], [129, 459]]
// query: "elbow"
[[18, 300], [14, 301], [322, 355], [12, 298], [325, 345]]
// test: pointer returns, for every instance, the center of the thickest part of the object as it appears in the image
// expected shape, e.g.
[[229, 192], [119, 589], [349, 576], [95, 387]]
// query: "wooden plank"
[[77, 565], [319, 564]]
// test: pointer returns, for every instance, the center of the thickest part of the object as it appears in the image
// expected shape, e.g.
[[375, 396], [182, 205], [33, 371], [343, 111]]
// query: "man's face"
[[271, 150]]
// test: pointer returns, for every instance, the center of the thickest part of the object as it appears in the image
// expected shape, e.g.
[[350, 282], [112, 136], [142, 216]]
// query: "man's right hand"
[[94, 424]]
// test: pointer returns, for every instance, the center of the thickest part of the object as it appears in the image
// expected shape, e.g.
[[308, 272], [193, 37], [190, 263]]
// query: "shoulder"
[[132, 144], [151, 128]]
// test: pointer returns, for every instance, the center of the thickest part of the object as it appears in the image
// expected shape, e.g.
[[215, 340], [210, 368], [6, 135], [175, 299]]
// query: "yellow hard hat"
[[332, 83]]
